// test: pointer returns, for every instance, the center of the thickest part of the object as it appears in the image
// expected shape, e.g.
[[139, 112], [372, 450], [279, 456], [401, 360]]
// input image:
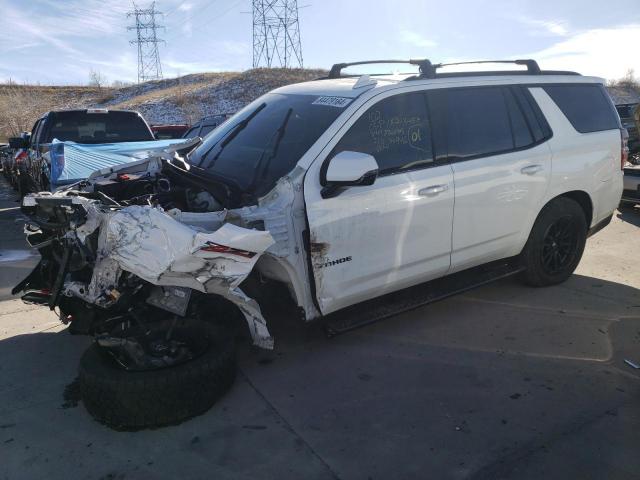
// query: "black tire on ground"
[[555, 244], [22, 186], [133, 400]]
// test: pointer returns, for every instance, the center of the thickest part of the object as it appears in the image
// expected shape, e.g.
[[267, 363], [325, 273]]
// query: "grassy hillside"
[[177, 100]]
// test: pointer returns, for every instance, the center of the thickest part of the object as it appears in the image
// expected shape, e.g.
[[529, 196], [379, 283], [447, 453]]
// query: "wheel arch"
[[582, 198]]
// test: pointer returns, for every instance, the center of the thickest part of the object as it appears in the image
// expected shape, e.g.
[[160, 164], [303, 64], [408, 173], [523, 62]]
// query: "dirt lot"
[[502, 382]]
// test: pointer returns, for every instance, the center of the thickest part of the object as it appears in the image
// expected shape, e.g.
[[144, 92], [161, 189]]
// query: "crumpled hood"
[[151, 244], [200, 251]]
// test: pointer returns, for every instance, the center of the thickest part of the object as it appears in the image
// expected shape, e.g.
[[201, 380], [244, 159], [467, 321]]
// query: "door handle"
[[433, 190], [531, 169]]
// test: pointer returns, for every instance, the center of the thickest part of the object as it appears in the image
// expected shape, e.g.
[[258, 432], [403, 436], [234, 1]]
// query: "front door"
[[371, 240]]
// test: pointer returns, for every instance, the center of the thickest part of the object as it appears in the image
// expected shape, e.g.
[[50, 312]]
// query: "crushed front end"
[[119, 271]]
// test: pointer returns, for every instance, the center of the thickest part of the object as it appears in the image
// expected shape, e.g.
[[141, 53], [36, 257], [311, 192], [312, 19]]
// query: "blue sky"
[[60, 41]]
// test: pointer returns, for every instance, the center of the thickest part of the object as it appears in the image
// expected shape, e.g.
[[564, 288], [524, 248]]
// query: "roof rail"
[[426, 69], [532, 65], [429, 70]]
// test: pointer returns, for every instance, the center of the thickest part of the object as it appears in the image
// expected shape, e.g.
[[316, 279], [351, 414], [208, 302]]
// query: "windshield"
[[108, 127], [264, 141]]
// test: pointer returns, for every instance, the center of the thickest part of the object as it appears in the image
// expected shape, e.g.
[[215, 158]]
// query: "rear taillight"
[[624, 145], [20, 157]]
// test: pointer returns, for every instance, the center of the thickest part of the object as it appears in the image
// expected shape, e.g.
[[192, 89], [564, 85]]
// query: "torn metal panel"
[[154, 246], [149, 243], [204, 253], [282, 213]]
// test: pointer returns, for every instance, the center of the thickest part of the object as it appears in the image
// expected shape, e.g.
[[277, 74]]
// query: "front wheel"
[[556, 243], [173, 381]]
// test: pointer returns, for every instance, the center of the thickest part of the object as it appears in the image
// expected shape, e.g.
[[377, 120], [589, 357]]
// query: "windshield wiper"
[[279, 135], [231, 135]]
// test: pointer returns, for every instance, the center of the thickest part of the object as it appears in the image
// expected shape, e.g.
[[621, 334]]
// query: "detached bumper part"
[[152, 245]]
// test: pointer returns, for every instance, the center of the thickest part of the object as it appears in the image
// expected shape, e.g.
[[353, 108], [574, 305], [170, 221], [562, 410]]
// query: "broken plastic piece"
[[632, 364]]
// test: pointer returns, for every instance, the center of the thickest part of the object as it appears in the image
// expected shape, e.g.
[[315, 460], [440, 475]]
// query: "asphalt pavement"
[[503, 382]]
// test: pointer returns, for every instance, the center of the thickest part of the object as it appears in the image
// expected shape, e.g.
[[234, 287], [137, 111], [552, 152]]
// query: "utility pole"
[[276, 34], [149, 66]]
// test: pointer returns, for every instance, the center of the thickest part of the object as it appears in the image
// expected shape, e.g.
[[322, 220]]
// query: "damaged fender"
[[152, 245]]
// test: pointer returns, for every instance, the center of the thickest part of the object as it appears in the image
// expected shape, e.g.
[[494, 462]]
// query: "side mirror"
[[18, 142], [348, 169]]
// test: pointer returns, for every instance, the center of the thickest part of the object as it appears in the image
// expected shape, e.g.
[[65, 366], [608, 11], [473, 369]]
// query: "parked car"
[[631, 192], [205, 125], [323, 196], [15, 159], [5, 155], [91, 126], [165, 132], [627, 116]]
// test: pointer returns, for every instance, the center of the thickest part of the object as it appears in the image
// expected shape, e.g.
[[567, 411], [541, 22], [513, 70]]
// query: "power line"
[[276, 34], [204, 20], [149, 66]]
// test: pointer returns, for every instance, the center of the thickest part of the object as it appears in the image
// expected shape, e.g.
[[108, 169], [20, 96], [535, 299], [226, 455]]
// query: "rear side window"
[[478, 122], [587, 107], [111, 127], [535, 119], [396, 131], [522, 134]]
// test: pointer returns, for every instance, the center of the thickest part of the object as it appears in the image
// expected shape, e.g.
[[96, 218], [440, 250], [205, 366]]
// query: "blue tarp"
[[81, 160]]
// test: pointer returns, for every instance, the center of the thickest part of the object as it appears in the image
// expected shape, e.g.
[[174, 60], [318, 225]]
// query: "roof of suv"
[[352, 86], [344, 87]]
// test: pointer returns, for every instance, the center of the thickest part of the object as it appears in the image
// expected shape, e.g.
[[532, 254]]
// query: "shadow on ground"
[[629, 214], [502, 382]]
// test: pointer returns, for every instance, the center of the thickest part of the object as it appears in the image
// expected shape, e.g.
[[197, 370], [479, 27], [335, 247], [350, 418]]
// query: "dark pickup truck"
[[89, 127]]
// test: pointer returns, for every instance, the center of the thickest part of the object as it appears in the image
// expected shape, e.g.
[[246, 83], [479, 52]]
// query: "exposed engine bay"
[[141, 242]]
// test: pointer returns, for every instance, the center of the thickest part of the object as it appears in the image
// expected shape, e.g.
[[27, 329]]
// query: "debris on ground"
[[632, 364]]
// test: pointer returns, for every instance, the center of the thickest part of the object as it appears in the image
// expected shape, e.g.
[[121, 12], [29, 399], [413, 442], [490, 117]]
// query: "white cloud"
[[59, 24], [602, 52], [537, 27], [185, 7], [416, 39]]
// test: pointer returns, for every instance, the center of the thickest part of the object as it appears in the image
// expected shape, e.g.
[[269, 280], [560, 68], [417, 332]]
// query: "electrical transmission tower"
[[149, 67], [276, 34]]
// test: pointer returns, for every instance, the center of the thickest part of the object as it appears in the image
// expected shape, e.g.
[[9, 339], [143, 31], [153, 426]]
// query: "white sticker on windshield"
[[339, 102]]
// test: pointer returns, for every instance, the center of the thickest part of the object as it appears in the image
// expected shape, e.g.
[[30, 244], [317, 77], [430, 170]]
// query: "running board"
[[371, 311]]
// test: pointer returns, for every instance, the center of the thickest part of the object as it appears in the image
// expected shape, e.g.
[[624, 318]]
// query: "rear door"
[[371, 240], [501, 167]]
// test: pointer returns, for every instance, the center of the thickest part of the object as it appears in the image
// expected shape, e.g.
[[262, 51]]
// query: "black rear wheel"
[[556, 243]]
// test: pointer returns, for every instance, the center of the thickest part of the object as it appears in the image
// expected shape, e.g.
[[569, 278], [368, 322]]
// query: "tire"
[[555, 244], [22, 187], [134, 400]]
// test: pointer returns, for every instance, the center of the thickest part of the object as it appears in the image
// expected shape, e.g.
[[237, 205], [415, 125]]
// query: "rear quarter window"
[[587, 107]]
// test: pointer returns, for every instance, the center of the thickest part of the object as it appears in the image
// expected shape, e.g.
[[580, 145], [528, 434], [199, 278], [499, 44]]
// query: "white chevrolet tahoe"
[[325, 195]]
